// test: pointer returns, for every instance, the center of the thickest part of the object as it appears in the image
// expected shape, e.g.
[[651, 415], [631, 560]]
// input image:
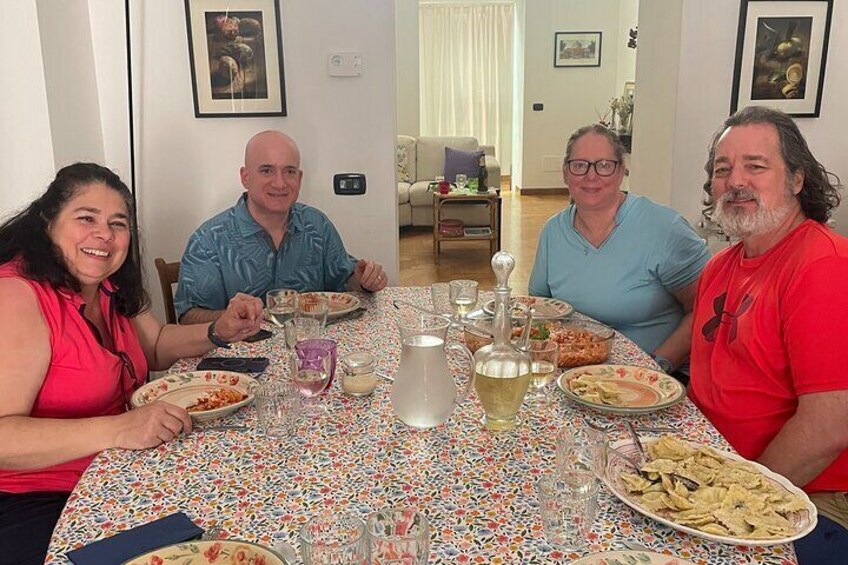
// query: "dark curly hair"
[[26, 235], [598, 129], [820, 191]]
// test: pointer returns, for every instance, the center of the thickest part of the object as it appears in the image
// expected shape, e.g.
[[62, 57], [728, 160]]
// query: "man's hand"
[[241, 318], [369, 275]]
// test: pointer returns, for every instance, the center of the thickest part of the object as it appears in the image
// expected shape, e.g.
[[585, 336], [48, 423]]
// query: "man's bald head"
[[269, 140]]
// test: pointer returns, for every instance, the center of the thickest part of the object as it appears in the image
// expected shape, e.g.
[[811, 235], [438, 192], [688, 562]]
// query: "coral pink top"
[[84, 378]]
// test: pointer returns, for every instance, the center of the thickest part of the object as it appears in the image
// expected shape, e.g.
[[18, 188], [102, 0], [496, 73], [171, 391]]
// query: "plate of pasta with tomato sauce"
[[206, 395]]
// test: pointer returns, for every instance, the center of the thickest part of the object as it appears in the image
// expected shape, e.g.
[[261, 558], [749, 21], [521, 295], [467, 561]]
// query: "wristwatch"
[[216, 341], [665, 365]]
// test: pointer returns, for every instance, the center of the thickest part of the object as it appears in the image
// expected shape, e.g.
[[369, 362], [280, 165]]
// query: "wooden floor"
[[523, 218]]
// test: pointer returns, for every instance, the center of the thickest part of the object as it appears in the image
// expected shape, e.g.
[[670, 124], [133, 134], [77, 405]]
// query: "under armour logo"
[[711, 327]]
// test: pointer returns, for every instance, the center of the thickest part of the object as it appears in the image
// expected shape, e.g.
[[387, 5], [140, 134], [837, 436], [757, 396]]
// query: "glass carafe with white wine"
[[502, 371]]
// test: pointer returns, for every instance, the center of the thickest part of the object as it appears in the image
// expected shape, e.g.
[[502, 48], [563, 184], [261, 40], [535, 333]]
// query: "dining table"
[[476, 487]]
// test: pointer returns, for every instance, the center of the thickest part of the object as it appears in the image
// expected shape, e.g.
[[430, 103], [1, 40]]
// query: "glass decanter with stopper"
[[502, 371]]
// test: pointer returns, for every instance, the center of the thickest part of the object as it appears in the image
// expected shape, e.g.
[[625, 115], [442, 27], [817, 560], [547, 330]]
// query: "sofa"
[[419, 161]]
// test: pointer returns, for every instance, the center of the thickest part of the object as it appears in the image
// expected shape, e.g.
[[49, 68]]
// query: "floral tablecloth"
[[476, 487]]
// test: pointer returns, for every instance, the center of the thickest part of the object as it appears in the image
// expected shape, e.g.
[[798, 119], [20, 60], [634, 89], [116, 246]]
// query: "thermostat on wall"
[[349, 183]]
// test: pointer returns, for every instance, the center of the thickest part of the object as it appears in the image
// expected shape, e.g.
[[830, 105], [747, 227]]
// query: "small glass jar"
[[360, 378]]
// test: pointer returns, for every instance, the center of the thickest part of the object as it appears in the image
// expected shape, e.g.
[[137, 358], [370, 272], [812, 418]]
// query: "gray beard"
[[736, 222]]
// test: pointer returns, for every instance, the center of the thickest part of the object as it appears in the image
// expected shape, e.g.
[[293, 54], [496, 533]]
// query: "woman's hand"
[[241, 318], [151, 425]]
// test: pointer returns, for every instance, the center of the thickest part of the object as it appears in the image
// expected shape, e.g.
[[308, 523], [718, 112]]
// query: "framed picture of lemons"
[[781, 51]]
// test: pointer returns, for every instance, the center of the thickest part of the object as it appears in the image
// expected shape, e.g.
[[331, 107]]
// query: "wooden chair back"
[[169, 275]]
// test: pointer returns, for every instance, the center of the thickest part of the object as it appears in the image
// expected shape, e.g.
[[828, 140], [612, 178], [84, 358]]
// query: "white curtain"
[[466, 72]]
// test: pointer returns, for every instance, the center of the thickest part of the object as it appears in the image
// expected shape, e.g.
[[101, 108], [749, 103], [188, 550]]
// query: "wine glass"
[[281, 305], [543, 363], [461, 181], [463, 297], [310, 373]]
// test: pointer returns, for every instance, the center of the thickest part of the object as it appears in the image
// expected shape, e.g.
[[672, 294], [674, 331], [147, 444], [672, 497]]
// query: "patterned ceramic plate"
[[185, 389], [630, 558], [340, 303], [210, 552], [640, 390], [546, 308], [803, 521]]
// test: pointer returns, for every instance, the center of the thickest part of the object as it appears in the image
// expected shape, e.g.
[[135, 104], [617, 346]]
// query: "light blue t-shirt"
[[627, 283], [231, 253]]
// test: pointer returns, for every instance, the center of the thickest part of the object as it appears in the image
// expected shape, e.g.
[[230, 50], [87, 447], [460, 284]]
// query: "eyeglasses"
[[129, 382], [580, 167]]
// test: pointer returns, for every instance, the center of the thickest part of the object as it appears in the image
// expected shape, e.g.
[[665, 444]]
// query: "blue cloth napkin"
[[132, 543]]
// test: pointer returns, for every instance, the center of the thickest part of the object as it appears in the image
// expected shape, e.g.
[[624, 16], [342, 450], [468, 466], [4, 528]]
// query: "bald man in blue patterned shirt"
[[267, 240]]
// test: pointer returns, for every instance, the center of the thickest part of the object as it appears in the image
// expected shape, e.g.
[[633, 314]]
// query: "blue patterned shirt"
[[231, 253]]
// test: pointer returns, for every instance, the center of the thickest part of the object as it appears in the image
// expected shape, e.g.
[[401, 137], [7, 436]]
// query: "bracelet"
[[216, 341], [665, 364]]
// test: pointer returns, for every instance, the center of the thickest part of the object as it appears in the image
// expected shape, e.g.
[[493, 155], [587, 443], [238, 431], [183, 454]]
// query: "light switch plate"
[[345, 64]]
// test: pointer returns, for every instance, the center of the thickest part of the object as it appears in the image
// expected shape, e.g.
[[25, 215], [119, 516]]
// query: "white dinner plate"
[[185, 389], [339, 303], [631, 557], [642, 390], [546, 308], [212, 552], [802, 521]]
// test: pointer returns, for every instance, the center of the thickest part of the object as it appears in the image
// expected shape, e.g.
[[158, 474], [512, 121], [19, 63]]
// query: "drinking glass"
[[327, 345], [301, 329], [581, 454], [399, 536], [461, 181], [278, 406], [310, 373], [334, 539], [567, 511], [543, 363], [281, 305], [440, 295], [463, 297], [315, 306]]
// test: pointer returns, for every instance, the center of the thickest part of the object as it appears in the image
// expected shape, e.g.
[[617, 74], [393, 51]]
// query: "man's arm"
[[811, 439], [200, 316]]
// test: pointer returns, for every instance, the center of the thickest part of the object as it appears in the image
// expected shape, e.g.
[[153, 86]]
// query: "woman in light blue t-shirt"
[[621, 259]]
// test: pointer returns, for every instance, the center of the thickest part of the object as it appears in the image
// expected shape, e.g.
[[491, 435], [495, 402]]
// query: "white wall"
[[26, 150], [573, 97], [189, 166], [407, 68], [701, 101]]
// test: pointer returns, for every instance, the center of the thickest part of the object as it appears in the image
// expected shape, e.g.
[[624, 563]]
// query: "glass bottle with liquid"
[[502, 371]]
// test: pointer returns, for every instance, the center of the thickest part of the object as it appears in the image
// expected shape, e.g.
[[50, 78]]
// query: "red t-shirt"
[[84, 378], [767, 330]]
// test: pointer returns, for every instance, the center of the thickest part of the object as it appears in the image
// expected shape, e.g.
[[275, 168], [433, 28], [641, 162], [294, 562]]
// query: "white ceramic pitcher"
[[424, 393]]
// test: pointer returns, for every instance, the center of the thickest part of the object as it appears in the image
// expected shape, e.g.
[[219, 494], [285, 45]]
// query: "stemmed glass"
[[310, 373], [463, 297], [543, 363]]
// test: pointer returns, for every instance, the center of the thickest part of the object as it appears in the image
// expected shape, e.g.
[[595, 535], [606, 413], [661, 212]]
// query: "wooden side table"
[[491, 198]]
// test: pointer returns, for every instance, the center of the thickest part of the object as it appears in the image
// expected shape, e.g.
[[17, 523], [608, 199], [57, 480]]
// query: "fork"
[[211, 533]]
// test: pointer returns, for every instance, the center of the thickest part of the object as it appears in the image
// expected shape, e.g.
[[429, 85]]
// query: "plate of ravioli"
[[728, 499], [621, 389]]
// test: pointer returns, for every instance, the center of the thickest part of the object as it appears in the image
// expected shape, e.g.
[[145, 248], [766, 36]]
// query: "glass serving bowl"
[[581, 342]]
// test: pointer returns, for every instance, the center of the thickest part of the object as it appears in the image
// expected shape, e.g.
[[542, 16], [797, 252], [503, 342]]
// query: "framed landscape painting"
[[236, 55], [577, 49], [781, 51]]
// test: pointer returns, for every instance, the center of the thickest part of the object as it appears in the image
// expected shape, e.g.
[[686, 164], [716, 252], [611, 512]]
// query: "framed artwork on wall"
[[577, 49], [781, 51], [236, 54]]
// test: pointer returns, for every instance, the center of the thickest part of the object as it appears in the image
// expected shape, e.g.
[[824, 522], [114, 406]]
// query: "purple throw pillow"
[[458, 161]]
